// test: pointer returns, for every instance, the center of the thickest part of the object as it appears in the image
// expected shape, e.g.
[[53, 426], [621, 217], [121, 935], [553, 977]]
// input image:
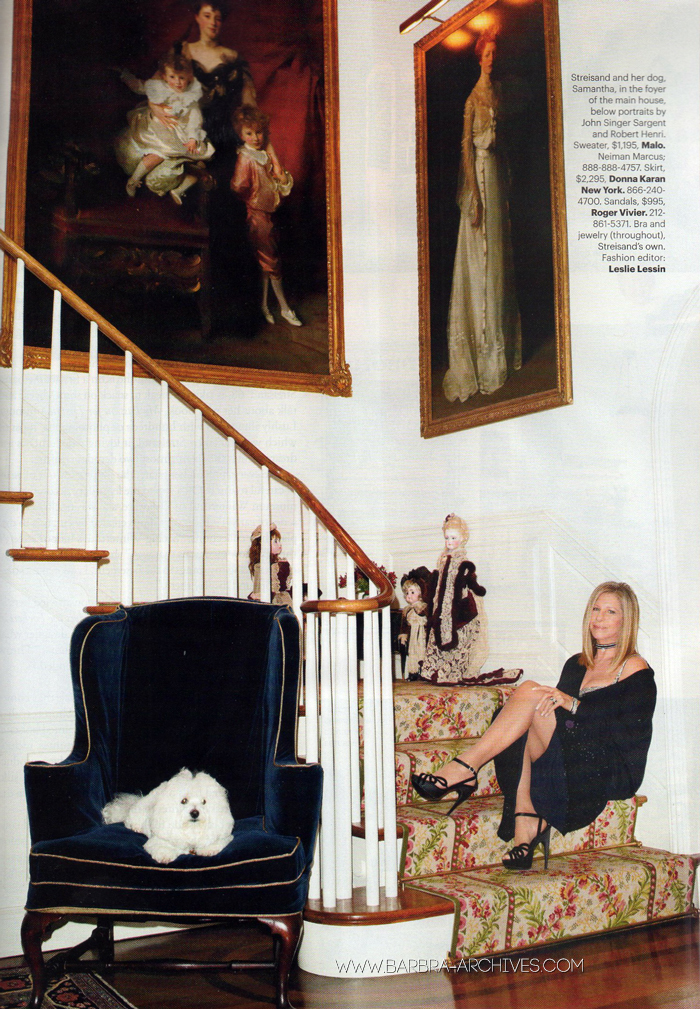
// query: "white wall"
[[608, 484]]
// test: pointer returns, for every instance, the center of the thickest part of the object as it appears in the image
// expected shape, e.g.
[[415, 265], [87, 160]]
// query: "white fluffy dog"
[[187, 814]]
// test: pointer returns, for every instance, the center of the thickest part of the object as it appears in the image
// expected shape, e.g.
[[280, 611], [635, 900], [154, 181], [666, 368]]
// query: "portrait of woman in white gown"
[[483, 329]]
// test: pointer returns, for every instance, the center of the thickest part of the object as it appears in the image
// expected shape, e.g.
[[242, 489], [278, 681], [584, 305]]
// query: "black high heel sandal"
[[434, 787], [520, 857]]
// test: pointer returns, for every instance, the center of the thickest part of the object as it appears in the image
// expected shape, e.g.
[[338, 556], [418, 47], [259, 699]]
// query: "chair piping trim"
[[165, 868], [169, 889], [169, 916]]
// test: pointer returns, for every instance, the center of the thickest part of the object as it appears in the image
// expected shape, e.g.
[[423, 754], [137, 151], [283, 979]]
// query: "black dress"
[[596, 755], [223, 90]]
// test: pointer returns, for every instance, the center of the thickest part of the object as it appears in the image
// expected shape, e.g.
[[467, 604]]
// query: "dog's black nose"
[[194, 814]]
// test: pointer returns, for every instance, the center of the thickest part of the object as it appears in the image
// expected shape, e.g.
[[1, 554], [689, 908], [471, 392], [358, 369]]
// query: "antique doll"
[[261, 182], [414, 620], [457, 644], [280, 570], [164, 134]]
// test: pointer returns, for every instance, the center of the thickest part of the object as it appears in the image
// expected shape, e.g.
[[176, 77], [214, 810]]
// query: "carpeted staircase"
[[598, 878]]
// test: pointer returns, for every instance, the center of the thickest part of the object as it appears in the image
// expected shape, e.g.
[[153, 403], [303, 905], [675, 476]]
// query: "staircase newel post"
[[328, 848], [354, 700], [370, 719], [343, 787], [377, 693]]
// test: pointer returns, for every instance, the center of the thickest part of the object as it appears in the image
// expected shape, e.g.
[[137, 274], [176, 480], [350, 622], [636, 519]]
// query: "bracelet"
[[574, 705]]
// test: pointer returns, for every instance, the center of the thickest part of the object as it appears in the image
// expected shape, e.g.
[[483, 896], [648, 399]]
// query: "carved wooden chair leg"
[[287, 932], [35, 927], [104, 939]]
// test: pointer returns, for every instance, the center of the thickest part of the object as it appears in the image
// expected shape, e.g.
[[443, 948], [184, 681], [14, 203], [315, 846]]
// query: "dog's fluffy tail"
[[118, 809]]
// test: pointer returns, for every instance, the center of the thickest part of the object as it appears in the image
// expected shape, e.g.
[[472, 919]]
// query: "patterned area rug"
[[77, 991]]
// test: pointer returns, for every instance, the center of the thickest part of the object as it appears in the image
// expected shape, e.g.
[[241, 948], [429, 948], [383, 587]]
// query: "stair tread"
[[425, 711], [430, 756], [468, 839], [580, 893]]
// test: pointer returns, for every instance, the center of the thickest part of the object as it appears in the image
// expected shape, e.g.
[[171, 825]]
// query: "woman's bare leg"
[[526, 826], [517, 717]]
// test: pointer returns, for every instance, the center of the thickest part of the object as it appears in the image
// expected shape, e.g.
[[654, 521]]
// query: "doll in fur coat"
[[457, 644]]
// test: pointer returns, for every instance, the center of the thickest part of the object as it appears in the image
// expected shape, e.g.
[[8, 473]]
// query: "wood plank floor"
[[646, 968]]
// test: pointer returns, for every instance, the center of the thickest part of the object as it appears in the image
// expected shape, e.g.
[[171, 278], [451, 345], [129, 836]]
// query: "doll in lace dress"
[[414, 620], [457, 644], [280, 569]]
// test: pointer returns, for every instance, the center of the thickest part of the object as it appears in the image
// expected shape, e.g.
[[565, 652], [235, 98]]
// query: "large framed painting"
[[176, 164], [494, 319]]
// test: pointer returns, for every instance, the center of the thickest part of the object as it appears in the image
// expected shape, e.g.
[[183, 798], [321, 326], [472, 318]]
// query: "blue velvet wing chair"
[[209, 684]]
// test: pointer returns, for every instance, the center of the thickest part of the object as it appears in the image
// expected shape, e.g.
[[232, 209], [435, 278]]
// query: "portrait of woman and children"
[[211, 114]]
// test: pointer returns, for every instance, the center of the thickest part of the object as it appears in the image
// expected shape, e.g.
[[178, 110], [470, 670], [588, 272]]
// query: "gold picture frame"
[[488, 294], [162, 277]]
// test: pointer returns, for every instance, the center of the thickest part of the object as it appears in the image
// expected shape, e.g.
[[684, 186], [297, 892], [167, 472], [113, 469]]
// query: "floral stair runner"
[[599, 878]]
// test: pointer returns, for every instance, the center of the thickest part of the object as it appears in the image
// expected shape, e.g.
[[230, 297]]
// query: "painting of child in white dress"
[[494, 323]]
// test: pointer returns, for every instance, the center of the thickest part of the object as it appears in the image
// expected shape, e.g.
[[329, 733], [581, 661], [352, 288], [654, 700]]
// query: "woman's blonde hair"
[[627, 640]]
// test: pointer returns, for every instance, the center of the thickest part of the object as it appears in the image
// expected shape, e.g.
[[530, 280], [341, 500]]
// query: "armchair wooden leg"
[[35, 926], [287, 932]]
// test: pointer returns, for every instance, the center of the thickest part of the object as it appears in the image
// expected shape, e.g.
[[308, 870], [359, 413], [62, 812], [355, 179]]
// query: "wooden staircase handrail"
[[161, 374]]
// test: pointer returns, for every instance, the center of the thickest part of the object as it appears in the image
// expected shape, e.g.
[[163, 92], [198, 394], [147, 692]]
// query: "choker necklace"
[[613, 645]]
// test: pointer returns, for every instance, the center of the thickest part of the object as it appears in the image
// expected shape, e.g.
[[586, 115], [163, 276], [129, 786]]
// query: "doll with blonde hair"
[[457, 645]]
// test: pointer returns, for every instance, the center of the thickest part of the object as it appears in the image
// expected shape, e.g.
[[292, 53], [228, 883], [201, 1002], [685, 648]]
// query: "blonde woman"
[[562, 752]]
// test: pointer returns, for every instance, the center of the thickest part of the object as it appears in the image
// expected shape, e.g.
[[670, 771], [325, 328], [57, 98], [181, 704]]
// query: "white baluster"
[[353, 700], [391, 887], [297, 590], [198, 509], [53, 473], [232, 525], [370, 765], [187, 574], [163, 583], [93, 436], [297, 559], [265, 591], [127, 569], [328, 806], [376, 672], [343, 779], [311, 662], [17, 391]]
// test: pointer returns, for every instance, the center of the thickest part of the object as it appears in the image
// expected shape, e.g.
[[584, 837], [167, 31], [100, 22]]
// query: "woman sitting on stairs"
[[562, 752]]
